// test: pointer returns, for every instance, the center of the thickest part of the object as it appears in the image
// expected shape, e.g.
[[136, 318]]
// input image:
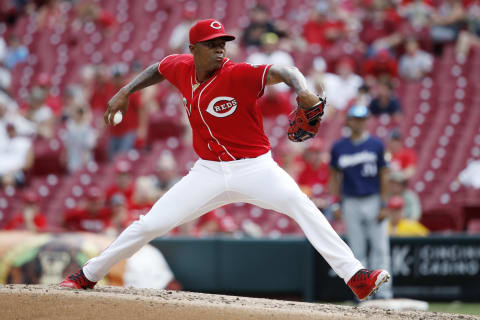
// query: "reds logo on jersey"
[[221, 107]]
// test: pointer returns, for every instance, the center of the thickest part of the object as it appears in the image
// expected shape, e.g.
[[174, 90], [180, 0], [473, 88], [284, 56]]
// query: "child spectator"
[[399, 225], [398, 186]]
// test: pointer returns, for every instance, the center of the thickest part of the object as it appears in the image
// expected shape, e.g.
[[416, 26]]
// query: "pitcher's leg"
[[190, 197], [271, 187]]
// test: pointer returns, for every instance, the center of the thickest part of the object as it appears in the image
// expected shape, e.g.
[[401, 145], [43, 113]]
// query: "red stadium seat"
[[474, 226], [442, 220]]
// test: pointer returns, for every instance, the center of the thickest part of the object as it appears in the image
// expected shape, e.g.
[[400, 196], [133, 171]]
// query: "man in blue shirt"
[[359, 178]]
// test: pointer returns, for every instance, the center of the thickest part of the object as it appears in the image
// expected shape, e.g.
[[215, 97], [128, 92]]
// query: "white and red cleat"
[[366, 282], [77, 280]]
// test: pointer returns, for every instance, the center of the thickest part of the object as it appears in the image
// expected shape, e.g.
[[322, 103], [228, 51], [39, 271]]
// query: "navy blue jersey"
[[360, 164]]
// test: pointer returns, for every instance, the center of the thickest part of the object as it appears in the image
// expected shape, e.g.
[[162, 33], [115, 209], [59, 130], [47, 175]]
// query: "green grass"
[[455, 307], [448, 307]]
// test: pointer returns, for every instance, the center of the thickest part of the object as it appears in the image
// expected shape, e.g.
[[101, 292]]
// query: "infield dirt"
[[115, 303]]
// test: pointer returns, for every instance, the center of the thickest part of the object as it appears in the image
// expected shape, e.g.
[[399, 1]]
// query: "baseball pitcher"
[[235, 163]]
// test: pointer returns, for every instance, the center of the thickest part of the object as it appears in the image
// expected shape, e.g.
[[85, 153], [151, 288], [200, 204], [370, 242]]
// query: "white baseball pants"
[[209, 185]]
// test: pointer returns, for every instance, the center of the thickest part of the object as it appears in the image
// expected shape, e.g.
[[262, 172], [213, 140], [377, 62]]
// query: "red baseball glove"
[[305, 122]]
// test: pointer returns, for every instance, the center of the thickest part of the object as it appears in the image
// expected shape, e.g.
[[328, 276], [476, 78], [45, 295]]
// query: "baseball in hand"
[[117, 118]]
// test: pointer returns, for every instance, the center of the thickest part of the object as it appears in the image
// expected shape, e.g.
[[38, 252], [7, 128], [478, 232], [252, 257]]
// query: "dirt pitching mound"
[[115, 303]]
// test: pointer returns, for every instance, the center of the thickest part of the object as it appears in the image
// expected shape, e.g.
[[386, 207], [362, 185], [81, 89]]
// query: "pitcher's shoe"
[[366, 282], [77, 280]]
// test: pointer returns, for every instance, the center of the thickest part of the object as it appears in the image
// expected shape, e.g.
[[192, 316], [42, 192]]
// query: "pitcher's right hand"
[[119, 102]]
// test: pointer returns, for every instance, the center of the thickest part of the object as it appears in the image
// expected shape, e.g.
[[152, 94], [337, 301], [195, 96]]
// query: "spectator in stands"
[[359, 177], [276, 99], [260, 24], [99, 89], [123, 184], [415, 63], [16, 52], [88, 12], [16, 154], [381, 65], [381, 26], [118, 205], [166, 174], [385, 101], [5, 78], [470, 175], [342, 86], [319, 80], [470, 37], [271, 52], [9, 114], [324, 27], [80, 139], [363, 96], [3, 49], [401, 158], [401, 226], [133, 128], [179, 35], [143, 198], [274, 103], [447, 21], [288, 156], [40, 114], [398, 186], [418, 13], [314, 176], [53, 101], [30, 217], [95, 217], [210, 224]]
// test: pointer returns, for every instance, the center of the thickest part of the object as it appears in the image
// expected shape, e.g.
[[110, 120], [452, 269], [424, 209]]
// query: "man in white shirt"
[[415, 63], [17, 155]]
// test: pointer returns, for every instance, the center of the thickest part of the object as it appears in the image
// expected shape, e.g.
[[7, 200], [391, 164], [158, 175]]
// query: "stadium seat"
[[442, 220], [474, 226]]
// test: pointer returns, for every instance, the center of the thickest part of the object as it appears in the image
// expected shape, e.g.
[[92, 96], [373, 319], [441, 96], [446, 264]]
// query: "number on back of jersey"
[[369, 169]]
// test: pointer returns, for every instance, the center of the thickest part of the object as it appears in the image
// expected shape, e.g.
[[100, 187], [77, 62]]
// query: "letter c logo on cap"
[[215, 25]]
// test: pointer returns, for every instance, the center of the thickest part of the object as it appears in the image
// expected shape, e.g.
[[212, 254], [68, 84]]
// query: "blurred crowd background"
[[414, 63]]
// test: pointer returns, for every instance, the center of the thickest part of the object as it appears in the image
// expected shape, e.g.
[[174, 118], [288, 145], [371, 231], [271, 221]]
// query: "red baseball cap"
[[209, 29], [396, 202]]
